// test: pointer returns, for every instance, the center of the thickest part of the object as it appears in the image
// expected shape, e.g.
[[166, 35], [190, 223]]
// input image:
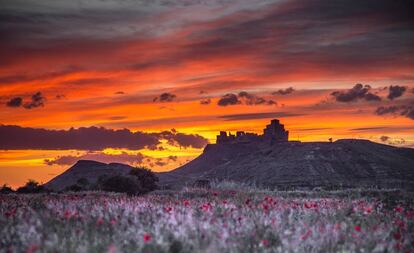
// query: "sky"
[[151, 82]]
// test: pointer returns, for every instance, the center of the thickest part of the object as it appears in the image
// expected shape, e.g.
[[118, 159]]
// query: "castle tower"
[[275, 131]]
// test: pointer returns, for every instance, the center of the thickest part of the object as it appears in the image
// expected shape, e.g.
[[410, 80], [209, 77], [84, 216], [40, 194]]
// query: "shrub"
[[31, 187], [5, 189], [119, 183], [202, 183], [148, 180], [81, 185]]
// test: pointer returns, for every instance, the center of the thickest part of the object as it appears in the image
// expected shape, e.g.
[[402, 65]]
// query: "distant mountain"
[[347, 162], [90, 170]]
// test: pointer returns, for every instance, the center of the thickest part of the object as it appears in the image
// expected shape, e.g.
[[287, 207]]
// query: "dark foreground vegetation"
[[140, 180]]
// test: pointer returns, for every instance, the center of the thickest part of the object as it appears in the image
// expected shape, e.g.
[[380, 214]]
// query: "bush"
[[146, 177], [5, 189], [81, 185], [139, 181], [119, 183], [31, 187]]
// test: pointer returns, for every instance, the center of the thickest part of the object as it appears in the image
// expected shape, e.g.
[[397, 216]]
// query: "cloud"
[[243, 97], [357, 92], [228, 99], [90, 138], [283, 91], [384, 138], [15, 102], [37, 100], [264, 115], [184, 140], [406, 110], [396, 91], [205, 101], [165, 97], [119, 93], [251, 99], [131, 159]]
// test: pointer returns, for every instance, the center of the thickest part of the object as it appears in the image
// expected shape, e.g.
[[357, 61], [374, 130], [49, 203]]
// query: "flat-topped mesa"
[[274, 132]]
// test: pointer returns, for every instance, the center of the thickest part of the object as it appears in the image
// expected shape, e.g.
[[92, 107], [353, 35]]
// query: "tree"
[[120, 183], [146, 177], [31, 187], [5, 189]]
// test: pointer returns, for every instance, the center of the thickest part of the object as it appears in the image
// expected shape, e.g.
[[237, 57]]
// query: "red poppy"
[[397, 235], [265, 242], [147, 237], [399, 209]]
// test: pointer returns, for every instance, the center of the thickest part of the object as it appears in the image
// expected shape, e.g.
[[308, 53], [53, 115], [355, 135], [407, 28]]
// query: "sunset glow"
[[151, 67]]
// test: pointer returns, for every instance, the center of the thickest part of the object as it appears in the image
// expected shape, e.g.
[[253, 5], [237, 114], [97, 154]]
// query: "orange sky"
[[102, 64]]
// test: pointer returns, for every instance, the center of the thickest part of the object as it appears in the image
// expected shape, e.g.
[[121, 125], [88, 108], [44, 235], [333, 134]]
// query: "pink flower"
[[33, 248], [399, 209], [147, 237], [357, 228], [397, 235], [168, 209], [265, 242], [99, 221], [307, 205], [186, 203]]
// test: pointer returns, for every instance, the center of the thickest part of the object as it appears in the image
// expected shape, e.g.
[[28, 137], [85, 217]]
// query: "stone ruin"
[[274, 132]]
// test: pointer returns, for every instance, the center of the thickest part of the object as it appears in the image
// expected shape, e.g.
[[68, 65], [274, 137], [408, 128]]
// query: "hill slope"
[[347, 162], [91, 170]]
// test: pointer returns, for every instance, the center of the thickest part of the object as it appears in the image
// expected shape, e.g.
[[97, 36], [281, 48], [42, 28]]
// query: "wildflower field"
[[215, 220]]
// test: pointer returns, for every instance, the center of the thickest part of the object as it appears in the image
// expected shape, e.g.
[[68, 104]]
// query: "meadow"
[[221, 219]]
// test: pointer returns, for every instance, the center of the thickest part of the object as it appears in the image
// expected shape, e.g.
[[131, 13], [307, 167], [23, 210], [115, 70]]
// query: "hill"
[[90, 170], [347, 162]]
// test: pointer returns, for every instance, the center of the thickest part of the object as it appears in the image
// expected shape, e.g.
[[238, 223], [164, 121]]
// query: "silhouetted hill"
[[90, 170], [347, 162]]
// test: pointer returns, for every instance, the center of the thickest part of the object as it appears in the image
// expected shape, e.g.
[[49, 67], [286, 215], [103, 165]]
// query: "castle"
[[274, 132]]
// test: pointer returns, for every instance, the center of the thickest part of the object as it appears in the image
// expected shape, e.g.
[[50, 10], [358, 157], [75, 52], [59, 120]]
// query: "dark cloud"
[[119, 93], [243, 97], [228, 99], [368, 128], [396, 91], [37, 100], [90, 138], [132, 159], [251, 99], [60, 96], [165, 97], [183, 140], [384, 138], [357, 92], [265, 115], [172, 158], [284, 91], [117, 117], [15, 102], [205, 101], [387, 110], [406, 110]]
